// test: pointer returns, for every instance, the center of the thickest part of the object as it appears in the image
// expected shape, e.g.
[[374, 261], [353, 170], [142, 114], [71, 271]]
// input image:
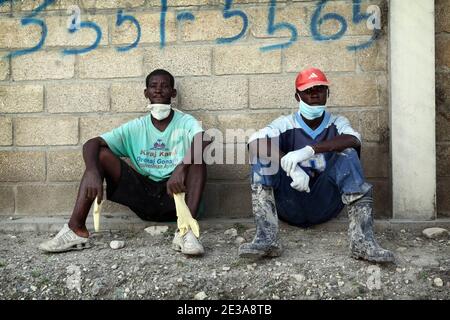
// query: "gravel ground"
[[314, 265]]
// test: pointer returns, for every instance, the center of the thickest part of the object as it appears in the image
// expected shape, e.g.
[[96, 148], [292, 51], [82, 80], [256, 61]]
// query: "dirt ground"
[[314, 265]]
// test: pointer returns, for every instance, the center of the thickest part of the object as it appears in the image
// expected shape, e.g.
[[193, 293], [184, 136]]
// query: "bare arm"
[[92, 185], [338, 144], [194, 155]]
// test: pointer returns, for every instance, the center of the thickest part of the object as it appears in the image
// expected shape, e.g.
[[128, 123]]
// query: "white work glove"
[[289, 161], [300, 180]]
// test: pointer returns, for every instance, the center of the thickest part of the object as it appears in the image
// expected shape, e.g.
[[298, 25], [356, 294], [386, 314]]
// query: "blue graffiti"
[[228, 13], [85, 24], [358, 18], [121, 18], [272, 27], [30, 19], [185, 16], [317, 21], [162, 24]]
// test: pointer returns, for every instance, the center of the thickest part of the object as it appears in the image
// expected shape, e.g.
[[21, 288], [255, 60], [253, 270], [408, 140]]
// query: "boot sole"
[[259, 254], [371, 259], [80, 246]]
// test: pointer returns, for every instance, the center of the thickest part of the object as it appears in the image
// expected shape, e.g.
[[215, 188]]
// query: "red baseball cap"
[[309, 78]]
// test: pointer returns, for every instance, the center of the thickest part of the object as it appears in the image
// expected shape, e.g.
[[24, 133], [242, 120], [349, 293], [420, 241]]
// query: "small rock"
[[403, 231], [434, 233], [200, 296], [179, 280], [226, 268], [231, 232], [239, 240], [340, 283], [156, 230], [275, 297], [308, 292], [278, 264], [438, 282], [299, 277], [250, 267], [33, 288], [402, 249], [114, 266], [116, 244]]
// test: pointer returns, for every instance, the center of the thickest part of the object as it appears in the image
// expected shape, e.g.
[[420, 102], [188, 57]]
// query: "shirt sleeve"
[[273, 130], [117, 140], [192, 127], [343, 127]]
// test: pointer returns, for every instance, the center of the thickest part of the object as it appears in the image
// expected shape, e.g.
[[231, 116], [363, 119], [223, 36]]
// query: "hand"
[[289, 161], [176, 180], [300, 180], [92, 186]]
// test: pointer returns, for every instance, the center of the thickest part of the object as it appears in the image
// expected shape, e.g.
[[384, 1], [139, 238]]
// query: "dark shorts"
[[147, 198]]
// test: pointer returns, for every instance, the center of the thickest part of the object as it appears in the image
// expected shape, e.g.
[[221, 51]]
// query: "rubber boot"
[[265, 243], [362, 241]]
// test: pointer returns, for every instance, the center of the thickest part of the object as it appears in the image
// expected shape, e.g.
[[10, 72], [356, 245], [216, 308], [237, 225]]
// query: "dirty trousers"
[[342, 182]]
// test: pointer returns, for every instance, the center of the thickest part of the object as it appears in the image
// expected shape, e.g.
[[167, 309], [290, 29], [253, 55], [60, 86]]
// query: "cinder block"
[[46, 131], [86, 97], [280, 95], [442, 160], [65, 165], [22, 98], [309, 53], [375, 160], [58, 34], [180, 61], [224, 93], [109, 63], [46, 199], [443, 126], [330, 27], [4, 69], [43, 65], [128, 97], [6, 200], [382, 199], [91, 127], [209, 25], [245, 59], [29, 5], [228, 200], [443, 197], [16, 36], [181, 3], [374, 128], [352, 116], [294, 14], [208, 121], [126, 33], [233, 165], [5, 131], [442, 50], [442, 11], [5, 7], [22, 166], [353, 90], [443, 89], [228, 123], [374, 58]]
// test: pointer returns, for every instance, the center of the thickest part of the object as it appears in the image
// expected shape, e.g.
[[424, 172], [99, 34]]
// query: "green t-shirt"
[[154, 153]]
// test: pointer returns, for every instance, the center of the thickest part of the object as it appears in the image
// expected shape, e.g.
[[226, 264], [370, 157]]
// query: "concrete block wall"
[[443, 106], [51, 102]]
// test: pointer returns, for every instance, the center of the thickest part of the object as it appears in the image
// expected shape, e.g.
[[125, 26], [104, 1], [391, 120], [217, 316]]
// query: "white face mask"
[[159, 111]]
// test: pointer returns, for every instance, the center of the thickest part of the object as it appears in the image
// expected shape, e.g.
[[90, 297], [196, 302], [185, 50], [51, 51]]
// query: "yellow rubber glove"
[[185, 220], [97, 210]]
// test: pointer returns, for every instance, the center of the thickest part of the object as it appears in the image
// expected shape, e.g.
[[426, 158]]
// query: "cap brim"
[[313, 84]]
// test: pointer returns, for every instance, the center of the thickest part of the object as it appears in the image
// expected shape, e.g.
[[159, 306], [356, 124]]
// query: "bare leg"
[[110, 167], [195, 183]]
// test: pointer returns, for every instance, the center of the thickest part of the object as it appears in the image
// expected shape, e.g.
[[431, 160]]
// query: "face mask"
[[159, 111], [311, 112]]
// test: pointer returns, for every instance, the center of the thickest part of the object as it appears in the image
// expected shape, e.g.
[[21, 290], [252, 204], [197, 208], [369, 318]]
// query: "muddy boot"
[[362, 242], [265, 242]]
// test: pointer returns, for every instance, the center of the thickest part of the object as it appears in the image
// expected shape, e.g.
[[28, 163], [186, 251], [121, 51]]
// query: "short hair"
[[159, 72]]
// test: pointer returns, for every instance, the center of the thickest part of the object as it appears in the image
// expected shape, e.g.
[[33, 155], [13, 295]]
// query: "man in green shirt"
[[165, 149]]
